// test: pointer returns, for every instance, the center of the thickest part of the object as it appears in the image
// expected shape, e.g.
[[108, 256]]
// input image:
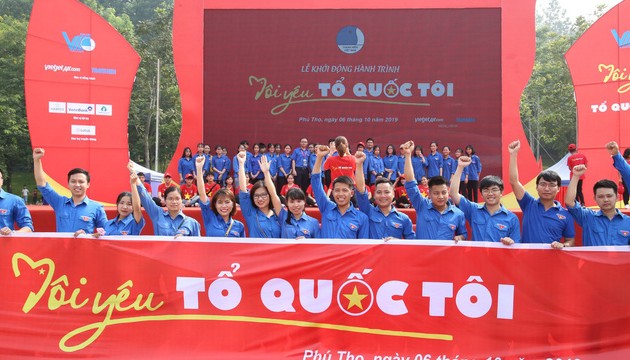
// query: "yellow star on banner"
[[187, 196], [355, 299], [391, 90], [41, 271]]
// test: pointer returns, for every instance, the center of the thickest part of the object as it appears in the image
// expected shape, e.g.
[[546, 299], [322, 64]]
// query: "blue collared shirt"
[[163, 223], [300, 156], [220, 163], [435, 163], [540, 226], [430, 223], [86, 216], [449, 165], [376, 164], [353, 224], [305, 226], [186, 166], [490, 227], [126, 226], [418, 165], [598, 230], [391, 162], [13, 210], [474, 168], [216, 226], [284, 162], [623, 167], [258, 224], [395, 224], [273, 163]]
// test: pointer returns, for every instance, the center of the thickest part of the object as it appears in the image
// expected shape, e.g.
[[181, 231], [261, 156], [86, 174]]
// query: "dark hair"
[[271, 145], [489, 181], [225, 193], [549, 175], [376, 147], [415, 149], [393, 149], [257, 185], [184, 153], [626, 153], [344, 179], [460, 150], [368, 139], [140, 174], [261, 145], [79, 171], [244, 142], [434, 142], [170, 189], [446, 147], [202, 144], [218, 147], [339, 141], [294, 194], [437, 180], [122, 195], [382, 180], [471, 148], [605, 184], [289, 145]]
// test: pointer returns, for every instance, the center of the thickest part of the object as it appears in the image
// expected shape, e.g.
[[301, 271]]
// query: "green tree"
[[155, 43], [14, 137], [548, 109]]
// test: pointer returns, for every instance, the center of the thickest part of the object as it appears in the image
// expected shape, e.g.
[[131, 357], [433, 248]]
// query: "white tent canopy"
[[155, 178], [562, 169]]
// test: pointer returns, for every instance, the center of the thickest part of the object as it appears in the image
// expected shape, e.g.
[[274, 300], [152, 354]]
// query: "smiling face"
[[174, 201], [224, 205], [384, 195], [124, 207], [261, 198], [491, 195], [296, 206], [78, 185], [342, 193]]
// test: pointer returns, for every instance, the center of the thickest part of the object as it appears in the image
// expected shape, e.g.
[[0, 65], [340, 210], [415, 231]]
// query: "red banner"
[[79, 72], [158, 298], [599, 62]]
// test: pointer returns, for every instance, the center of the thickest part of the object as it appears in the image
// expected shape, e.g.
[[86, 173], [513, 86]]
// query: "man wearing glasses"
[[490, 221], [544, 219]]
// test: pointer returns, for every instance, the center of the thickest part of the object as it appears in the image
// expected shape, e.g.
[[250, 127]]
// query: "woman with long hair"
[[218, 213], [474, 174], [185, 165], [261, 221]]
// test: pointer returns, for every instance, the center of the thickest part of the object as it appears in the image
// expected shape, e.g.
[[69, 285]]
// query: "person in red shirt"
[[310, 196], [343, 163], [400, 193], [211, 187], [189, 191], [577, 159], [285, 188], [168, 182], [424, 186]]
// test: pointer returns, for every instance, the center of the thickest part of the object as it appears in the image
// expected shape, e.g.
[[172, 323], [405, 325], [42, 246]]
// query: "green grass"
[[19, 179]]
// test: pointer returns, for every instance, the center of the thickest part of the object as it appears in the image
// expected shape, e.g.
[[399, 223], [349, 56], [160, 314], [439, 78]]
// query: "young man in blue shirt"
[[340, 219], [385, 221], [74, 213], [490, 221], [446, 222], [544, 219], [13, 211], [607, 226]]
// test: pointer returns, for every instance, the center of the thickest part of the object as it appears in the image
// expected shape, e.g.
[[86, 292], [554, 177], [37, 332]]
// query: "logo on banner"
[[80, 108], [104, 109], [624, 41], [89, 130], [56, 107], [350, 39], [79, 43]]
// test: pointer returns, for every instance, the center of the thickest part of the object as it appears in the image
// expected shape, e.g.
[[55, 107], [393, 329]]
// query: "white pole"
[[157, 117]]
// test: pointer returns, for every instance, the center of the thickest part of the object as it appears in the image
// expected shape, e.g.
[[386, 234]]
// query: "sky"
[[576, 8]]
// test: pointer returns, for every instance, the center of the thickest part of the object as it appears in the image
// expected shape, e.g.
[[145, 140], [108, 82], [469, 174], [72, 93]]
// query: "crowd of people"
[[356, 192]]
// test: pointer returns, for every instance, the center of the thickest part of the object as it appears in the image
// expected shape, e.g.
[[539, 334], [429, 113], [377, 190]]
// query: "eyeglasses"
[[492, 190], [547, 185], [261, 196]]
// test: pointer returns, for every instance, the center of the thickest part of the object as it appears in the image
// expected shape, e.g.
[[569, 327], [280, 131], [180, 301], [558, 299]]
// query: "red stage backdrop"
[[79, 73], [157, 298], [449, 70], [599, 62]]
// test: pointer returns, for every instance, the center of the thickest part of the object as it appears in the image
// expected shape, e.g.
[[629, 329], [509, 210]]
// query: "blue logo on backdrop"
[[624, 41], [350, 39], [79, 43]]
